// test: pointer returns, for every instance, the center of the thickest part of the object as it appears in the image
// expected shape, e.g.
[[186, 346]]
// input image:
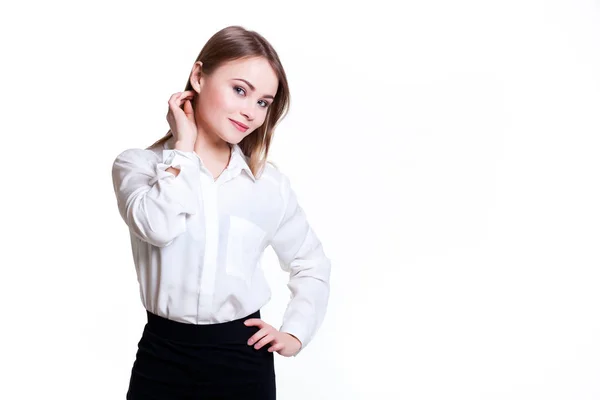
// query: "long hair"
[[233, 43]]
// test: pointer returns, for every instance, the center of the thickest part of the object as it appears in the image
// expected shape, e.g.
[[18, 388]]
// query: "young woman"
[[202, 204]]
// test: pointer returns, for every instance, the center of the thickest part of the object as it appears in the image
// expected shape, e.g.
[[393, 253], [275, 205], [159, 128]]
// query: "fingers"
[[180, 116], [254, 322], [268, 334], [188, 110], [265, 335], [187, 95], [267, 339], [264, 331], [173, 104], [174, 99], [276, 347], [178, 98]]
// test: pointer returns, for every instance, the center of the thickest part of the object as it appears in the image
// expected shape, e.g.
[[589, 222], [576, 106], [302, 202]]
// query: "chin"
[[234, 137], [231, 138]]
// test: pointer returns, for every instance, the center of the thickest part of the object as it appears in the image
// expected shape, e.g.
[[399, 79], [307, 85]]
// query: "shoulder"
[[153, 153], [278, 179], [274, 174], [136, 157]]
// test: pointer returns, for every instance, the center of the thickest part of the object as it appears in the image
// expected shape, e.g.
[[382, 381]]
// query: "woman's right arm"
[[152, 201]]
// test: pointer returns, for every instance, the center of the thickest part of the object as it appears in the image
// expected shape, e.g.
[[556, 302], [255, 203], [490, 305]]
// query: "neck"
[[211, 146]]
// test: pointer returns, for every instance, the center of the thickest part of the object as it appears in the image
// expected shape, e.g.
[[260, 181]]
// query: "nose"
[[247, 113]]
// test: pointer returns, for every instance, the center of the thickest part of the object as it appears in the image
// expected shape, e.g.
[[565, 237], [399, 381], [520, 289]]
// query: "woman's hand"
[[181, 119], [283, 343]]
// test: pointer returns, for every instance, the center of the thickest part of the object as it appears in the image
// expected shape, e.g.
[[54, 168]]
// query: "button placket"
[[206, 284]]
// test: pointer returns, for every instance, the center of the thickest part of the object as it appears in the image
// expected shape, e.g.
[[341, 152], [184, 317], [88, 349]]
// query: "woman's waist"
[[212, 333]]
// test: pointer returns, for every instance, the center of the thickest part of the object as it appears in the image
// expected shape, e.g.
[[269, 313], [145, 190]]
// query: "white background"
[[446, 154]]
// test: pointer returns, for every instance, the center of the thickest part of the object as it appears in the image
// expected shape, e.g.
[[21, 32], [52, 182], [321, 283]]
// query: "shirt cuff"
[[297, 329], [186, 181], [176, 158]]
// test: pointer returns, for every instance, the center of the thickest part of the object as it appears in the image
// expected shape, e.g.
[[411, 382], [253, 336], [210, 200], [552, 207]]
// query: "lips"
[[239, 125]]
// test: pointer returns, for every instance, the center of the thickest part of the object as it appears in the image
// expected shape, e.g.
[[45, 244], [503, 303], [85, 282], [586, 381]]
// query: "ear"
[[196, 76]]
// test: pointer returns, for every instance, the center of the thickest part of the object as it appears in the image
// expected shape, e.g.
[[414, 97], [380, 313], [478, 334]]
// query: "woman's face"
[[237, 92]]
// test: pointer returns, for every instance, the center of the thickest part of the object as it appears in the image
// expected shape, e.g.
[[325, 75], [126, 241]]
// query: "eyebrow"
[[267, 96]]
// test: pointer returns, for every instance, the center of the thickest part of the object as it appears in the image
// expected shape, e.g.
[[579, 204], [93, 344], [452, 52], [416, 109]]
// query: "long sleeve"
[[301, 254], [153, 202]]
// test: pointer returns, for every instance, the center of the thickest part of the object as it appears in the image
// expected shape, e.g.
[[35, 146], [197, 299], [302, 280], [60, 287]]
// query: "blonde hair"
[[234, 43]]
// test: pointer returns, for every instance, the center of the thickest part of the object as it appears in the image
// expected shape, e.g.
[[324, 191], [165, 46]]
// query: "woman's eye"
[[242, 91]]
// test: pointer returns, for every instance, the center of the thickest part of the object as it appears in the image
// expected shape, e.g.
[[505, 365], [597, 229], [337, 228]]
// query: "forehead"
[[256, 70]]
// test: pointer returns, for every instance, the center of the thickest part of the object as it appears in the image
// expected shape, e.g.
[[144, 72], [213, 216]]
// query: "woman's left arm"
[[300, 253]]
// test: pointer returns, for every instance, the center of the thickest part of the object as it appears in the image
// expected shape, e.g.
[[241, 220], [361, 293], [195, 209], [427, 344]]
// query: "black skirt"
[[187, 361]]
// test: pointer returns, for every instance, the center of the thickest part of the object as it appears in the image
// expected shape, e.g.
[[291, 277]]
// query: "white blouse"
[[197, 242]]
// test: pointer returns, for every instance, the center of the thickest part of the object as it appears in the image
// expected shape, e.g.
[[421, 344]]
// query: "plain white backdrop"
[[446, 153]]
